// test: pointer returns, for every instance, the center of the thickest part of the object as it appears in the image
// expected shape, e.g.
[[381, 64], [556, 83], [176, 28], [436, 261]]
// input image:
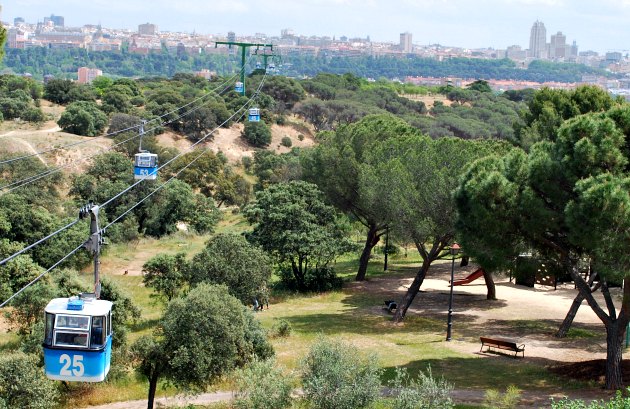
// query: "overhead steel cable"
[[30, 179], [38, 242], [190, 147], [30, 155], [64, 258], [113, 198]]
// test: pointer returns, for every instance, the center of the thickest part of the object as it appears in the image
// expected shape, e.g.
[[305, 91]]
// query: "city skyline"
[[598, 26]]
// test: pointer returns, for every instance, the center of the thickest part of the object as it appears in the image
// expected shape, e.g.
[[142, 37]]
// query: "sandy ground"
[[474, 316]]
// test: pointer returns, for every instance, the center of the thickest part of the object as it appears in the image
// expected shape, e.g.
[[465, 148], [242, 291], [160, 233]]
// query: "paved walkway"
[[529, 399]]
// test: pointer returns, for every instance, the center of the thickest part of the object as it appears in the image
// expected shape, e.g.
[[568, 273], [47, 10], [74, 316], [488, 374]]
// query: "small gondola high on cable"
[[254, 115], [145, 163]]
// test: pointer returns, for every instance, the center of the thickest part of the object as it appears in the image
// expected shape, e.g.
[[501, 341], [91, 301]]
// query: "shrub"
[[424, 392], [257, 134], [300, 137], [281, 328], [618, 402], [33, 115], [336, 376], [23, 384], [247, 163], [286, 141], [508, 400], [260, 385]]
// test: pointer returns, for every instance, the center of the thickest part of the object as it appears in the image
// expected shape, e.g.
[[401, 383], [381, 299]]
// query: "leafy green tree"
[[314, 111], [202, 336], [336, 376], [23, 384], [479, 86], [124, 311], [58, 90], [550, 201], [283, 89], [549, 108], [173, 204], [271, 168], [83, 118], [257, 134], [337, 165], [421, 209], [81, 93], [3, 39], [292, 223], [100, 84], [230, 260], [198, 124], [115, 100], [166, 274]]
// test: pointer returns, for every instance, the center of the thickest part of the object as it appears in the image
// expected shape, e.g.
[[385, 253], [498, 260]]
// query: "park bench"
[[502, 344]]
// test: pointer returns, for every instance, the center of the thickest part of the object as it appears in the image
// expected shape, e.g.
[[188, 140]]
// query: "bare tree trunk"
[[568, 320], [413, 289], [153, 379], [492, 290], [575, 306], [371, 240], [614, 342]]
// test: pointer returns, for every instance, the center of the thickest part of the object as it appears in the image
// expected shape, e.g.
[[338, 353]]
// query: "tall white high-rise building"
[[405, 42], [538, 40]]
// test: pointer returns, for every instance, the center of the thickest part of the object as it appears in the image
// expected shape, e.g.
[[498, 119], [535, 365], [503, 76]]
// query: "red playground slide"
[[472, 277]]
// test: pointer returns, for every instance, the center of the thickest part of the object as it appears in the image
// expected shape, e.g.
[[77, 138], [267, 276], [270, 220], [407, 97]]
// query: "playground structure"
[[471, 277]]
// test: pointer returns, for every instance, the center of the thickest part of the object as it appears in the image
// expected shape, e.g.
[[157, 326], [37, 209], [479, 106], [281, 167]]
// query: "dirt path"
[[529, 399]]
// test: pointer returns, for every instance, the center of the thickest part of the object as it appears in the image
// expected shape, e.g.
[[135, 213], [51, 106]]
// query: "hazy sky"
[[600, 25]]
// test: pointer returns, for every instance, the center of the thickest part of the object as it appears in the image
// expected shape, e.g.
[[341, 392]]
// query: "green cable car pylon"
[[244, 47]]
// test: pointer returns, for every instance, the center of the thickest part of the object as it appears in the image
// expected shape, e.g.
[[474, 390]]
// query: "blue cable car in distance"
[[238, 87], [78, 339], [145, 166], [254, 115]]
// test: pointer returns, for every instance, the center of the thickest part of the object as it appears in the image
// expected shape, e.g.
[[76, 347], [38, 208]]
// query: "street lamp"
[[454, 250]]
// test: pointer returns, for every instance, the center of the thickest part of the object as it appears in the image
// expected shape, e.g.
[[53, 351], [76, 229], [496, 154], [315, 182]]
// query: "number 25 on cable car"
[[78, 339]]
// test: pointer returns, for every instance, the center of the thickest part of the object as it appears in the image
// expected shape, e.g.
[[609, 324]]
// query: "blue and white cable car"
[[145, 166], [238, 87], [78, 339], [254, 115]]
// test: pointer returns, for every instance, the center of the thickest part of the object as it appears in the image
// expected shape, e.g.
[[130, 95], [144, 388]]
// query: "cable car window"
[[71, 339], [97, 337], [109, 323], [145, 161], [50, 323], [73, 322]]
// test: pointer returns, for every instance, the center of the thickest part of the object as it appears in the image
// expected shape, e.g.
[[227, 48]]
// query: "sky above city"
[[600, 25]]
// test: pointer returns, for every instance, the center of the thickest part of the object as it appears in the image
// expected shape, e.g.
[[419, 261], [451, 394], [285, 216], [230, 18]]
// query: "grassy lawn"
[[352, 314]]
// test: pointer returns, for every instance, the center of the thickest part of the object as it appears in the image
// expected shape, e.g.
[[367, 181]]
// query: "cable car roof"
[[90, 307]]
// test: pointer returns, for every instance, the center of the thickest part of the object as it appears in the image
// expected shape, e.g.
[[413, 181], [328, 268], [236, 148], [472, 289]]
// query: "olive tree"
[[231, 260], [201, 336]]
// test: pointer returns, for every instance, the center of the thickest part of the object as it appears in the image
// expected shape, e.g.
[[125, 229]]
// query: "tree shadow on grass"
[[495, 371], [143, 325]]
